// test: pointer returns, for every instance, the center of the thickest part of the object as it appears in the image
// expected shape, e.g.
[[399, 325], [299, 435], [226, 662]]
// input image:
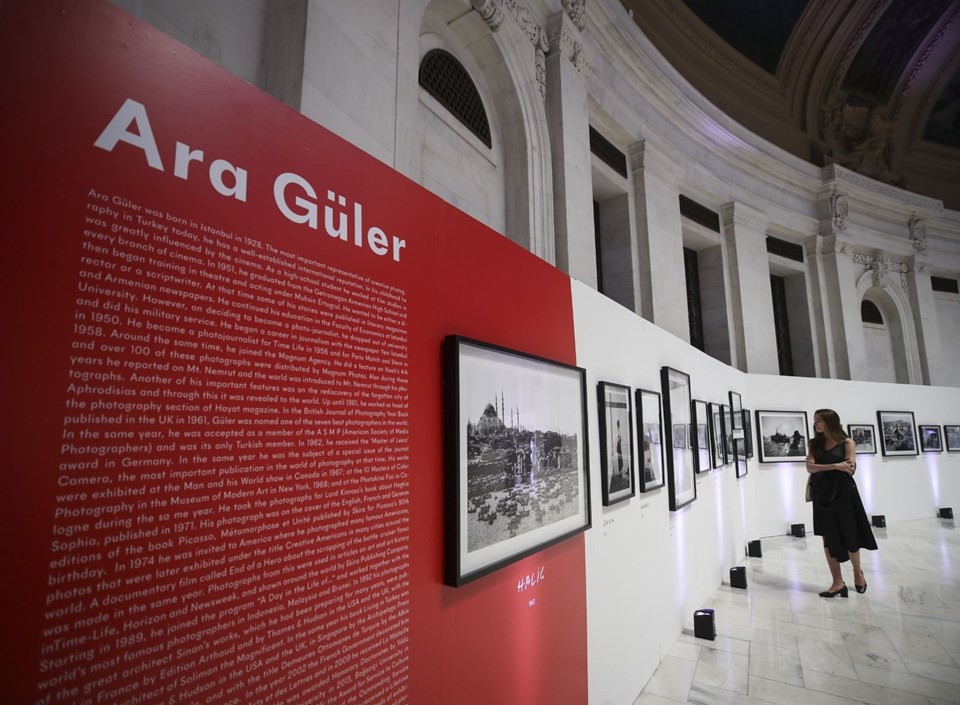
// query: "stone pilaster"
[[569, 125], [748, 269], [663, 297]]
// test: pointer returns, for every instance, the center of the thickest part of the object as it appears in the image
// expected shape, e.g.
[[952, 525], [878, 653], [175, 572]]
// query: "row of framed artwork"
[[517, 450], [782, 435]]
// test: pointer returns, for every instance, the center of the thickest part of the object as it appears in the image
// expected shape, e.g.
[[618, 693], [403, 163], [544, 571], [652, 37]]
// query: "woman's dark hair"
[[831, 420]]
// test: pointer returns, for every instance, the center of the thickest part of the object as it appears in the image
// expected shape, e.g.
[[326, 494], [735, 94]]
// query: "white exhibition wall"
[[648, 569]]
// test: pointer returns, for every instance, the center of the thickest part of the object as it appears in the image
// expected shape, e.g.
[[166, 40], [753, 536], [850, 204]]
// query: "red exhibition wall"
[[223, 432]]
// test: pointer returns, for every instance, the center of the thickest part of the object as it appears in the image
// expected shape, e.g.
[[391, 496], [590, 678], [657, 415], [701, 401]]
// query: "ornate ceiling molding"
[[918, 65]]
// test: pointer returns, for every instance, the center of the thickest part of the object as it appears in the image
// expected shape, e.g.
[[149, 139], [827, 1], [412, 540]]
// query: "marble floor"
[[779, 642]]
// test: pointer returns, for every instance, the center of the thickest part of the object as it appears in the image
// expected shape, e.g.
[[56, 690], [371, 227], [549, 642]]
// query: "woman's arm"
[[848, 465], [850, 446]]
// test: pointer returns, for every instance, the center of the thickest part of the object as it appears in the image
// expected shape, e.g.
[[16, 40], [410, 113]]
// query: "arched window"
[[445, 79], [869, 313]]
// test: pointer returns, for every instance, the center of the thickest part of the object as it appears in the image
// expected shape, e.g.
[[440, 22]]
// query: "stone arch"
[[891, 300], [503, 66]]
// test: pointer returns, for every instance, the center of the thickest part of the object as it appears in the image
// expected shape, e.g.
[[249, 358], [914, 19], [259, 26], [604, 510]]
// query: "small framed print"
[[864, 436], [649, 435], [718, 456], [736, 413], [930, 439], [728, 434], [517, 457], [897, 433], [952, 433], [677, 413], [782, 436], [748, 432], [701, 434], [616, 442]]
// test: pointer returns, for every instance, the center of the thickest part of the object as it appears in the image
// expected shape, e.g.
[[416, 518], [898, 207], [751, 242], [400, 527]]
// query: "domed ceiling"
[[872, 85]]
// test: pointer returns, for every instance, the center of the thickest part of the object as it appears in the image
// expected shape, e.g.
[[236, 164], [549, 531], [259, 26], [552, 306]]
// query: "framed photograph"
[[679, 435], [863, 435], [649, 435], [677, 413], [748, 432], [736, 412], [616, 443], [897, 434], [930, 439], [952, 433], [516, 445], [782, 436], [718, 441], [728, 436], [701, 432]]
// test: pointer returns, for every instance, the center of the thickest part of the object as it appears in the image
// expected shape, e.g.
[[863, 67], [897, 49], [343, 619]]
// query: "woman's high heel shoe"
[[861, 588], [842, 592]]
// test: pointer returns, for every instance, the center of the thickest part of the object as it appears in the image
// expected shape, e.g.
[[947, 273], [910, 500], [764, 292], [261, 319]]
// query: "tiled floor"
[[779, 642]]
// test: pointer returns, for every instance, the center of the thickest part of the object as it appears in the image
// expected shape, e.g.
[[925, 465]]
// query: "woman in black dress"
[[838, 514]]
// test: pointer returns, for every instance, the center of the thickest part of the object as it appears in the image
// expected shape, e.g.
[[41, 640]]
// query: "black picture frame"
[[931, 440], [650, 439], [617, 459], [528, 481], [736, 414], [678, 411], [718, 457], [897, 433], [782, 436], [748, 432], [864, 435], [728, 438], [951, 435], [701, 434]]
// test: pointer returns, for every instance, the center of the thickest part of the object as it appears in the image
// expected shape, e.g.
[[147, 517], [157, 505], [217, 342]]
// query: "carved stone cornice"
[[576, 9], [566, 41], [840, 174]]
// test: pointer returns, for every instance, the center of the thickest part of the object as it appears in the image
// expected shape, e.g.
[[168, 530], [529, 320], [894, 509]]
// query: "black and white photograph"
[[701, 426], [649, 424], [677, 412], [863, 435], [952, 433], [679, 435], [616, 443], [517, 453], [897, 433], [930, 439], [718, 456], [748, 432], [782, 436]]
